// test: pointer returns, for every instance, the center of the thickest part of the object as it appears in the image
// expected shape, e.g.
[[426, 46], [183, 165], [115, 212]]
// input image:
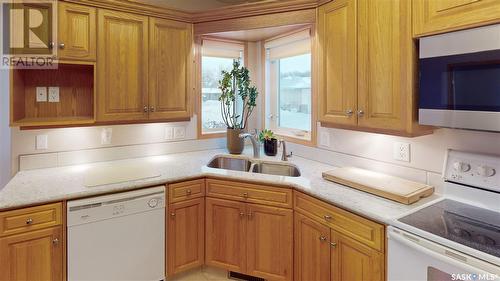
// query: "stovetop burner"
[[471, 226]]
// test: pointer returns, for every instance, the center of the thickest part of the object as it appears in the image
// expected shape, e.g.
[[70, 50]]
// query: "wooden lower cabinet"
[[351, 260], [226, 234], [34, 255], [185, 235], [312, 250]]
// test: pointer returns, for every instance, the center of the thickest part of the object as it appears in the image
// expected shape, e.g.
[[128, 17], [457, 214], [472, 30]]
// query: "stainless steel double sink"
[[243, 164]]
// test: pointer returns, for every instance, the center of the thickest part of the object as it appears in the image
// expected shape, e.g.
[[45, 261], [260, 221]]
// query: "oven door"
[[413, 258], [459, 83]]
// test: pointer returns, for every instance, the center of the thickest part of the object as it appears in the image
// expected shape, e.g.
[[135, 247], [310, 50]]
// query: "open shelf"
[[76, 96]]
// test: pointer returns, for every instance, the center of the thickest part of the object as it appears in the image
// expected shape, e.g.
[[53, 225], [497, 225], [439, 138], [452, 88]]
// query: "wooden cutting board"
[[390, 187]]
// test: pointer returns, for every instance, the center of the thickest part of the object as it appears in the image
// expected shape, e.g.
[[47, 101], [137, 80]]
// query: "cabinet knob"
[[172, 215], [188, 191], [361, 113], [349, 112], [333, 244], [146, 108], [327, 217], [152, 109], [29, 221], [322, 238], [51, 45], [245, 195], [242, 214], [62, 46], [55, 241], [249, 215]]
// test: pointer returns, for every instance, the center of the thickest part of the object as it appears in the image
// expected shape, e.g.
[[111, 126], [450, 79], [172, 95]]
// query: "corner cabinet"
[[122, 66], [170, 63], [437, 16], [367, 68]]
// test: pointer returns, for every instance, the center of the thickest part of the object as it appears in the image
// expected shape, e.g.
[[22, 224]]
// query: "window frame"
[[271, 96], [203, 134]]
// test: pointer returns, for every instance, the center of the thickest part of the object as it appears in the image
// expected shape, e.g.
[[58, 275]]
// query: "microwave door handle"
[[439, 256]]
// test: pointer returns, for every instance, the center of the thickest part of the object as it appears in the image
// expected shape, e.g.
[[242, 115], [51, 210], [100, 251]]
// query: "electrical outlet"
[[324, 139], [106, 135], [42, 142], [41, 94], [53, 94], [169, 133], [401, 151], [179, 132]]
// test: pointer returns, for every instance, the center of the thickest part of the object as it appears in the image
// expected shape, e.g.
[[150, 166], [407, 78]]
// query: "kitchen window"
[[288, 84], [217, 55]]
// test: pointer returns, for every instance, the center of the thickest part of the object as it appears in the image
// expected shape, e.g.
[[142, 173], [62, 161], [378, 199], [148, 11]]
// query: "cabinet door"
[[384, 43], [312, 250], [269, 242], [35, 255], [170, 61], [352, 260], [446, 15], [122, 66], [186, 235], [77, 32], [226, 234], [337, 62]]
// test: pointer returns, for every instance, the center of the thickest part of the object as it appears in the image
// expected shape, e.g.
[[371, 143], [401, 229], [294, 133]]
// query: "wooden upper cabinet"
[[170, 66], [436, 16], [35, 255], [337, 62], [384, 40], [225, 236], [351, 260], [77, 32], [186, 235], [270, 242], [122, 68], [312, 248]]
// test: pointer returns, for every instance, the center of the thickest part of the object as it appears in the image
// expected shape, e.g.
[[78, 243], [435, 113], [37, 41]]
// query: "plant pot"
[[235, 144], [271, 147]]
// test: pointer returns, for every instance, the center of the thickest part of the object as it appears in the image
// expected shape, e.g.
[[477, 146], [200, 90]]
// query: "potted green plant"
[[237, 100], [270, 142]]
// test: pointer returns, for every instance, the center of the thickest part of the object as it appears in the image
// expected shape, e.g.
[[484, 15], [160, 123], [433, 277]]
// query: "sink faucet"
[[255, 143], [284, 156]]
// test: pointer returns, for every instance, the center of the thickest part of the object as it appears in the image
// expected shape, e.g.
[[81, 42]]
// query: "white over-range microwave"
[[459, 83]]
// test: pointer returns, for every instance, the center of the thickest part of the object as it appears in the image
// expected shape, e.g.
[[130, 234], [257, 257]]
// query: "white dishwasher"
[[117, 237]]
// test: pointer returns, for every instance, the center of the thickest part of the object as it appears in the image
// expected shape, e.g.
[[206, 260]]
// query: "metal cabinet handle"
[[333, 244], [242, 214], [29, 221], [327, 217], [55, 241], [245, 195], [322, 238], [146, 108], [361, 113], [349, 112], [51, 45], [62, 46], [152, 109], [188, 191]]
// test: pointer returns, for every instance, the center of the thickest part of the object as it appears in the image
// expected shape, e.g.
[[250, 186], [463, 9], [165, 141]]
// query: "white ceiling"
[[194, 5], [254, 35]]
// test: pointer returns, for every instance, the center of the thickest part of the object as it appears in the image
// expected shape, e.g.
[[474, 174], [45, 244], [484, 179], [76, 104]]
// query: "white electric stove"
[[458, 237]]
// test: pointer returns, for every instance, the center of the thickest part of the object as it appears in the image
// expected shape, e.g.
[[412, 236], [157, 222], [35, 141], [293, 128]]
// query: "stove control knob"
[[461, 167], [485, 171]]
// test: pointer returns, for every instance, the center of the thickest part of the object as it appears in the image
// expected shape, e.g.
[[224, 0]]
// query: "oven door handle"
[[443, 254]]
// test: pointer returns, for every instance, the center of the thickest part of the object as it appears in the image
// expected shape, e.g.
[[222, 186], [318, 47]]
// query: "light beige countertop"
[[64, 183]]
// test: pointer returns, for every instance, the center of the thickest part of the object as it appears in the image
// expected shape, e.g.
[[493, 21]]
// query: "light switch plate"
[[401, 151], [106, 135], [42, 142], [41, 94], [179, 132], [169, 133], [53, 94]]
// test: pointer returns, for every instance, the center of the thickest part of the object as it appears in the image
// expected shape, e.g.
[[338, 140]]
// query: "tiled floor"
[[205, 274]]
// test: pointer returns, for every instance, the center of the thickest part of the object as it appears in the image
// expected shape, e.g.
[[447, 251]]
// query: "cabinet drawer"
[[182, 191], [27, 219], [247, 192], [363, 230]]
